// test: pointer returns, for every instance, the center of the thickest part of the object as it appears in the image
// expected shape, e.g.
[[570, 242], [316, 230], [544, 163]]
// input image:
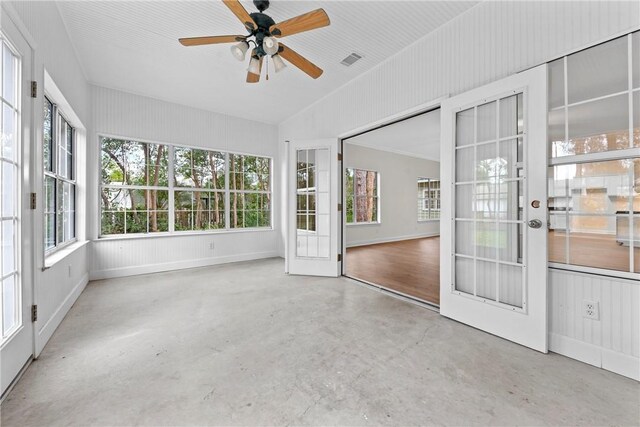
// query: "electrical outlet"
[[591, 310], [211, 245]]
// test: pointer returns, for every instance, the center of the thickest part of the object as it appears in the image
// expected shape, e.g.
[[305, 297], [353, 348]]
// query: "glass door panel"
[[489, 220]]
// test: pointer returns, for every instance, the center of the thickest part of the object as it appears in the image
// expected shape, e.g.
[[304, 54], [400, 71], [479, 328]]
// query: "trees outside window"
[[151, 188], [362, 196], [135, 187], [59, 178]]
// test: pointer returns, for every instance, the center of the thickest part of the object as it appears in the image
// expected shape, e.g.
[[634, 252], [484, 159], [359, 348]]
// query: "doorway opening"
[[391, 198]]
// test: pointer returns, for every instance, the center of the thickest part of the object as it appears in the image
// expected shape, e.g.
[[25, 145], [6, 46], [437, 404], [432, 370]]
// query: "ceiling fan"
[[263, 33]]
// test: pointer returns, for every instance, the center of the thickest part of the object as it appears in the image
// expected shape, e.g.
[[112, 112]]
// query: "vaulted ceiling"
[[132, 46]]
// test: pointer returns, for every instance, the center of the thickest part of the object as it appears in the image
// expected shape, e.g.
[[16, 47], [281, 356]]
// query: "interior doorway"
[[391, 197]]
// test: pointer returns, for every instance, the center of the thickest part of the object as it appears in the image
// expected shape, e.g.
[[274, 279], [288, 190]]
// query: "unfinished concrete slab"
[[244, 344]]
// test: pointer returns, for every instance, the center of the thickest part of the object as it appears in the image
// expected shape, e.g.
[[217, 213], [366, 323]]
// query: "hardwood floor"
[[408, 266], [592, 250], [412, 267]]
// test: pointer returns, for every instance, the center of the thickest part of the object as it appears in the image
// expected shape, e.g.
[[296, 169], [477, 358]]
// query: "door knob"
[[535, 223]]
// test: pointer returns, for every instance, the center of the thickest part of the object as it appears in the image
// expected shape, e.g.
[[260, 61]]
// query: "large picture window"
[[594, 178], [158, 188], [428, 199], [362, 196], [59, 178]]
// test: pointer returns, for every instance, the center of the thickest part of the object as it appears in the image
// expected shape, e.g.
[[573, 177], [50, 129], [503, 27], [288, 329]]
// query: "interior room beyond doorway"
[[392, 207]]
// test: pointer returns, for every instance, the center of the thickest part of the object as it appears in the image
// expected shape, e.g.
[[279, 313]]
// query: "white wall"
[[398, 195], [56, 288], [613, 341], [137, 117], [490, 41]]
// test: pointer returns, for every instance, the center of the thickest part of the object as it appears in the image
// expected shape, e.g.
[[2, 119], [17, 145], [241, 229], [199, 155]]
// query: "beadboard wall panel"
[[613, 341], [137, 117], [491, 40]]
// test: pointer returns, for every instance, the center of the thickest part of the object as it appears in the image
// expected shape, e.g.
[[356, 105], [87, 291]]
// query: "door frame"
[[372, 126], [16, 33]]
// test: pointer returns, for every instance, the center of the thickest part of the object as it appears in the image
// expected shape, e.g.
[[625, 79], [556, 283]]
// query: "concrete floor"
[[243, 344]]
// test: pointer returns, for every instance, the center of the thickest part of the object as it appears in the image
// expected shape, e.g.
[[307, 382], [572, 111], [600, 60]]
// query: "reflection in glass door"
[[312, 204], [489, 197], [9, 190]]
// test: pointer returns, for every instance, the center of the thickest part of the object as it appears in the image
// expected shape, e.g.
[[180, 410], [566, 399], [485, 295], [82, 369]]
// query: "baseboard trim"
[[178, 265], [389, 240], [594, 355], [47, 330]]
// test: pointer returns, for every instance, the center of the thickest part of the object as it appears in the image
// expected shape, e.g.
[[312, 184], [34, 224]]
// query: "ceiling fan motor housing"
[[263, 23]]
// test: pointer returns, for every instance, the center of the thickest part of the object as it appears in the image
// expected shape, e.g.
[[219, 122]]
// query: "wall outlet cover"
[[591, 309]]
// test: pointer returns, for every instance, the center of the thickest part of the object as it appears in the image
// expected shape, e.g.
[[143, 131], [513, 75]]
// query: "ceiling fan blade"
[[242, 14], [305, 22], [300, 61], [198, 41], [254, 78]]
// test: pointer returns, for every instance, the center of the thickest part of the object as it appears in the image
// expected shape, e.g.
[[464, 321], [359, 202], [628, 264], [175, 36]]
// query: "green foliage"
[[199, 180]]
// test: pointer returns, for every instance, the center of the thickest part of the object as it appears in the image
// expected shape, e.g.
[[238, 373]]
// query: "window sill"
[[360, 224], [182, 234], [60, 254]]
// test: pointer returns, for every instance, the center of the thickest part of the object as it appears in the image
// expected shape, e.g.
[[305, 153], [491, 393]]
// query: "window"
[[135, 187], [594, 178], [199, 184], [158, 188], [59, 178], [250, 195], [428, 199], [362, 196]]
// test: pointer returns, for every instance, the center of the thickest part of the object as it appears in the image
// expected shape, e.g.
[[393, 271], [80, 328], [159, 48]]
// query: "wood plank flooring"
[[412, 267], [408, 266]]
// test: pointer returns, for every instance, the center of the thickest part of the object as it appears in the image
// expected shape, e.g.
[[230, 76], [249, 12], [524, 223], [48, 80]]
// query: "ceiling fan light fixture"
[[254, 66], [278, 63], [239, 50], [270, 45]]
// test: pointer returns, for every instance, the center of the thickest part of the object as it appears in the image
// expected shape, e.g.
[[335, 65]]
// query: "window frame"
[[425, 199], [59, 121], [631, 153], [172, 189], [377, 198]]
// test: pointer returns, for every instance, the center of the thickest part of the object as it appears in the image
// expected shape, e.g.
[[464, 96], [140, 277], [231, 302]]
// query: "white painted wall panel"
[[398, 195], [57, 288], [613, 342], [137, 117]]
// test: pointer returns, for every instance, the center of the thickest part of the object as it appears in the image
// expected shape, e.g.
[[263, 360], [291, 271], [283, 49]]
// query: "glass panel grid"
[[488, 201], [594, 202], [312, 204], [11, 292]]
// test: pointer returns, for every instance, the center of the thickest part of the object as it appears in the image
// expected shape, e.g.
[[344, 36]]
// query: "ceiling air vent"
[[351, 59]]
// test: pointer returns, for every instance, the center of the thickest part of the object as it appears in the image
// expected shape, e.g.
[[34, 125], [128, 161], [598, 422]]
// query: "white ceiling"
[[416, 137], [132, 46]]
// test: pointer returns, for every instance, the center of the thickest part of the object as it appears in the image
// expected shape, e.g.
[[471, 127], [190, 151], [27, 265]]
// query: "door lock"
[[535, 223]]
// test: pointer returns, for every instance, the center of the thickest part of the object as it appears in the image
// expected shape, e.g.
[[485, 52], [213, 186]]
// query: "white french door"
[[15, 260], [493, 226], [313, 237]]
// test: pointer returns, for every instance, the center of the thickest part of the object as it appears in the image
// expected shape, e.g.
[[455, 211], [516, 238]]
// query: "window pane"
[[556, 83], [8, 247], [598, 71], [9, 126], [636, 59], [195, 210], [9, 71], [48, 136], [69, 150], [9, 304], [49, 212], [487, 121]]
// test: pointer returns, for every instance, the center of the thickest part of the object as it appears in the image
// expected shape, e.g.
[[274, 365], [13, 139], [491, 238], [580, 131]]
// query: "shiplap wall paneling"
[[613, 341]]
